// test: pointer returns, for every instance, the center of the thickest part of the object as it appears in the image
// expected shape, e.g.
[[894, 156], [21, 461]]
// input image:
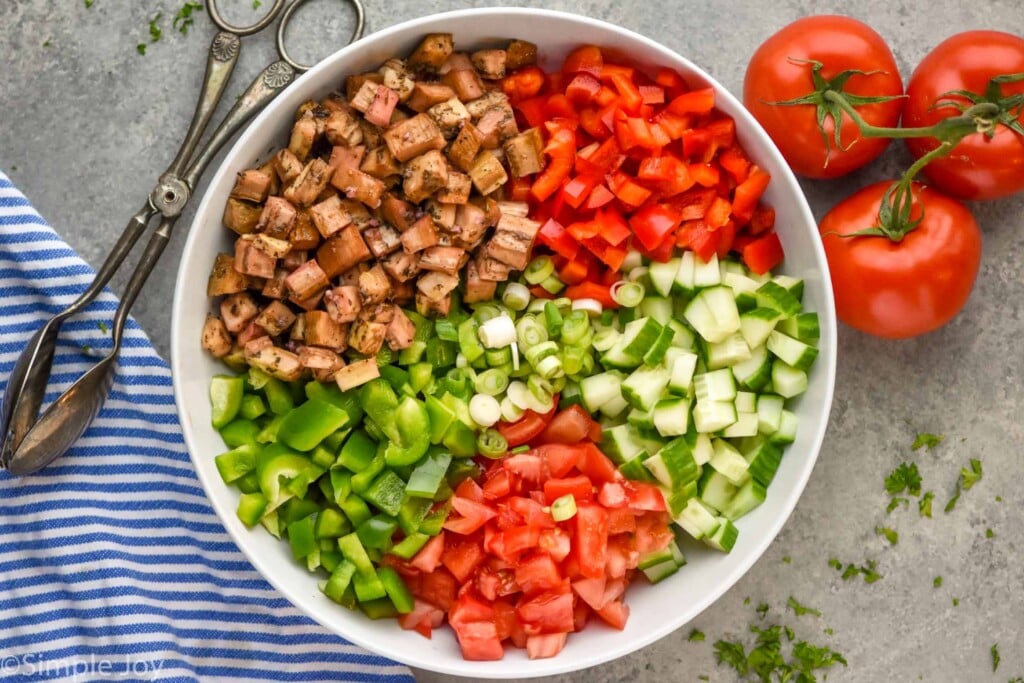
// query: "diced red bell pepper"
[[553, 236], [695, 235], [763, 254], [559, 107], [599, 197], [694, 102], [628, 191], [705, 174], [579, 188], [718, 213], [653, 224], [591, 290], [586, 59], [762, 220], [523, 83], [748, 193], [533, 111], [735, 162], [630, 98], [652, 94], [574, 272], [582, 89], [670, 80]]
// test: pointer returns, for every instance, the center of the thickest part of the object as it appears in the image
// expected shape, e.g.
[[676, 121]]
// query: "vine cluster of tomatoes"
[[903, 254]]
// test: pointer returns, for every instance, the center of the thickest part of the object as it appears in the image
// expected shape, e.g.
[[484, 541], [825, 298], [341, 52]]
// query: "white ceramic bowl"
[[654, 610]]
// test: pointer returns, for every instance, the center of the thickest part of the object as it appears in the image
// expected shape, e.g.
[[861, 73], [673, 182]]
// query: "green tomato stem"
[[977, 118]]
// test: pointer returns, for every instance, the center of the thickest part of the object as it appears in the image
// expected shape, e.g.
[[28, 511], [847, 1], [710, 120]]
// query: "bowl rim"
[[827, 354]]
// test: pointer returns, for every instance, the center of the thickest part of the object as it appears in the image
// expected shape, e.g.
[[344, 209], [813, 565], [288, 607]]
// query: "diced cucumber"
[[714, 489], [682, 338], [717, 385], [674, 465], [787, 380], [615, 407], [749, 496], [655, 557], [745, 425], [773, 295], [684, 275], [801, 356], [641, 419], [763, 461], [622, 443], [635, 470], [697, 520], [769, 413], [601, 388], [739, 283], [713, 416], [644, 387], [755, 372], [757, 324], [728, 352], [746, 402], [794, 286], [671, 416], [677, 499], [656, 307], [682, 373], [703, 449], [605, 339], [713, 313], [638, 336], [663, 275], [786, 433], [729, 462], [656, 353], [803, 327], [660, 571], [727, 265], [677, 554], [707, 273], [725, 536]]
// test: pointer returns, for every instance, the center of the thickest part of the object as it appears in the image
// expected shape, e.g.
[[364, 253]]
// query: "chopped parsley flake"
[[891, 535], [995, 655], [926, 440], [956, 602], [868, 571], [835, 564], [696, 636], [850, 572], [256, 4], [989, 533], [702, 677], [895, 503], [103, 327], [1016, 679], [762, 610], [904, 478], [937, 582], [155, 33], [924, 506], [733, 654], [88, 3], [968, 478], [952, 501], [183, 20], [141, 48], [46, 43], [746, 600], [829, 631], [766, 660], [999, 499], [801, 610], [787, 559]]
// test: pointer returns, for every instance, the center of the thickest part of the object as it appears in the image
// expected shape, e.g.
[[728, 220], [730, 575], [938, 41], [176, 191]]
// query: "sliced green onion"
[[520, 449], [535, 354], [575, 327], [606, 339], [590, 306], [485, 312], [498, 357], [572, 359], [552, 319], [461, 361], [539, 270], [628, 294], [634, 259], [520, 395], [446, 330], [457, 382], [637, 274], [529, 332], [563, 508], [607, 318], [537, 306], [497, 332], [485, 410], [540, 388], [491, 444], [492, 382], [510, 412], [516, 296], [558, 383], [552, 285], [550, 367], [588, 364], [562, 303], [514, 348]]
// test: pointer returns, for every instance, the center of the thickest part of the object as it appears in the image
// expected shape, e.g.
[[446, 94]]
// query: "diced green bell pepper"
[[252, 407], [412, 513], [250, 483], [226, 393], [368, 587], [330, 559], [410, 545], [386, 493], [250, 508], [460, 440], [444, 492], [269, 432], [340, 579], [395, 376], [237, 462], [460, 470], [300, 483], [271, 523], [420, 376], [302, 538], [412, 353], [331, 523], [352, 548], [295, 509], [358, 451], [434, 522], [256, 379], [427, 477], [305, 426], [380, 402], [341, 482], [356, 509], [381, 608], [377, 531], [396, 589], [441, 418], [275, 462], [279, 396], [413, 427], [239, 431], [323, 456], [362, 480]]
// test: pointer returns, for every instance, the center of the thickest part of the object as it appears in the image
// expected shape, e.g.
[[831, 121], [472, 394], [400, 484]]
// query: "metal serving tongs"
[[31, 441]]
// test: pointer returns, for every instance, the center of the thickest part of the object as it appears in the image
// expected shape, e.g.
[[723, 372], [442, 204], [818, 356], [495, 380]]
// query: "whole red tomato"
[[906, 288], [840, 44], [979, 167]]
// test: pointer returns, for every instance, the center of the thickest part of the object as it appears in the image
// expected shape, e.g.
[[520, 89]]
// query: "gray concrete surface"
[[86, 124]]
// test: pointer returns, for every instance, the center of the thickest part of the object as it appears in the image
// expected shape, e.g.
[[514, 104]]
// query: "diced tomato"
[[653, 223], [578, 487], [468, 488], [621, 520], [620, 557], [438, 588], [549, 612], [570, 426], [591, 591], [596, 465], [473, 516], [652, 532], [558, 459], [523, 83], [591, 290], [478, 640], [518, 539], [531, 512], [504, 618], [763, 254], [580, 615], [612, 495], [586, 59], [497, 486], [423, 618], [644, 496], [461, 556], [429, 556], [537, 573], [526, 465], [526, 428], [591, 539], [614, 614], [556, 543], [545, 645]]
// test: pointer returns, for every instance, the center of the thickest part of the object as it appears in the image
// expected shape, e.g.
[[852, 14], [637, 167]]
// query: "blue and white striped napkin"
[[112, 563]]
